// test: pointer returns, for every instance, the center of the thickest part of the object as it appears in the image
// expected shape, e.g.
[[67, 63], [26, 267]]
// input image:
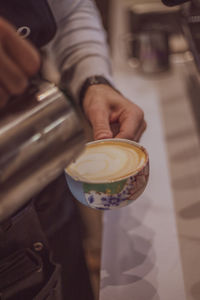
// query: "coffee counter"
[[151, 249], [140, 254]]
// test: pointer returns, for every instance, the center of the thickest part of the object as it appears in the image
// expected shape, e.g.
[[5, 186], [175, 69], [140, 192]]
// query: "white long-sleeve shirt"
[[79, 47]]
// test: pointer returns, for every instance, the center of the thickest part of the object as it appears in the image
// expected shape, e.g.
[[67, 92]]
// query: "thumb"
[[101, 125]]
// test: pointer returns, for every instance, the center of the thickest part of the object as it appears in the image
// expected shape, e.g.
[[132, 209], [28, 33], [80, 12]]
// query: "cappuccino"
[[107, 161]]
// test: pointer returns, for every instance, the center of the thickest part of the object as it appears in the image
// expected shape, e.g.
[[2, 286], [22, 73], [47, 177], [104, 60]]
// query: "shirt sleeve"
[[80, 45]]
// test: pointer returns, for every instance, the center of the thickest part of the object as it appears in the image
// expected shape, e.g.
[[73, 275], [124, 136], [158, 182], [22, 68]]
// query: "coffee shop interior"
[[150, 249]]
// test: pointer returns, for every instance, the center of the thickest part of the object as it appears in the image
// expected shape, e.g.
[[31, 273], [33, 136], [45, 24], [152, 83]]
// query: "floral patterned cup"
[[115, 193]]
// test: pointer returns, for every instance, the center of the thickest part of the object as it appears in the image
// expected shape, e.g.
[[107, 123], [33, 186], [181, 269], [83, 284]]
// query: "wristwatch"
[[173, 2], [92, 81]]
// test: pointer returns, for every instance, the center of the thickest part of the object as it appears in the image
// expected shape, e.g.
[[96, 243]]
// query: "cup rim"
[[125, 177]]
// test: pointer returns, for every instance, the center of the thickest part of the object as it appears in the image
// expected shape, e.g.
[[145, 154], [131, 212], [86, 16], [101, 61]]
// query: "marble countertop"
[[151, 249], [141, 254]]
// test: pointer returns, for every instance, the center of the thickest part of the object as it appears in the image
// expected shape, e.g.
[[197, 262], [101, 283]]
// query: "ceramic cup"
[[109, 185]]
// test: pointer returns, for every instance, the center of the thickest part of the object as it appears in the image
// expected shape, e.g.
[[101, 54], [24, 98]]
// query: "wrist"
[[92, 82]]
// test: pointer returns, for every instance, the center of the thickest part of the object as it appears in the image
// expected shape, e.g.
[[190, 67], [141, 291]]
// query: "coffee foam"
[[107, 162]]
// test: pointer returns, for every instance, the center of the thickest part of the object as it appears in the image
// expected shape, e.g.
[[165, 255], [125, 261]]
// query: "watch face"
[[173, 2]]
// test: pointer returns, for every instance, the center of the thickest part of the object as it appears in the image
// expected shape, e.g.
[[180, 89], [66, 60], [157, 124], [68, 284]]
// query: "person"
[[71, 33]]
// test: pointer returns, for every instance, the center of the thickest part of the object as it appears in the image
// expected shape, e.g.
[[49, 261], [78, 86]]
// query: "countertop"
[[151, 249]]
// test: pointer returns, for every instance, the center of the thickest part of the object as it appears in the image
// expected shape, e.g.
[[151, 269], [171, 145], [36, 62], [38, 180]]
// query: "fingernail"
[[103, 136]]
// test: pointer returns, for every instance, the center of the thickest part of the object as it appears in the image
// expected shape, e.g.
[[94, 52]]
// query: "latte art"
[[107, 162]]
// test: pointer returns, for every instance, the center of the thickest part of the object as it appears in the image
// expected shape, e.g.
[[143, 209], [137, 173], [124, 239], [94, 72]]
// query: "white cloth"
[[79, 48]]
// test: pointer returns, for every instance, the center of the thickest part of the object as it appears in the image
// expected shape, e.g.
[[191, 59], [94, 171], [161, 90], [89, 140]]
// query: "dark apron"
[[47, 230], [27, 270], [32, 15]]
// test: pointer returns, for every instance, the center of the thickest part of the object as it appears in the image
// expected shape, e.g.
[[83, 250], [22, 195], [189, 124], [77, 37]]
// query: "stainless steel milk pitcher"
[[40, 133]]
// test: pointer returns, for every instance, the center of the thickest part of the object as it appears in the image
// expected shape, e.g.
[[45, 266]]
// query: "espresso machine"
[[189, 19], [152, 25], [41, 132]]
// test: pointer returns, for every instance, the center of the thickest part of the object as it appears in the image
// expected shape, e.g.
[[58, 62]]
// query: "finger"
[[20, 50], [140, 131], [100, 124], [115, 127], [129, 127], [3, 97], [11, 77]]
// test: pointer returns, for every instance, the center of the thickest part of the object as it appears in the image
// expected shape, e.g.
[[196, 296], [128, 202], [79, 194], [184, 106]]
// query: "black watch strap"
[[92, 81], [173, 2]]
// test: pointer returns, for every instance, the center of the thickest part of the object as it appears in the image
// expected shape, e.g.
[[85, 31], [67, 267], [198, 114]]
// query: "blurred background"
[[156, 63]]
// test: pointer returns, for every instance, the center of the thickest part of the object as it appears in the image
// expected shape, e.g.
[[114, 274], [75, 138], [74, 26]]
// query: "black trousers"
[[38, 263]]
